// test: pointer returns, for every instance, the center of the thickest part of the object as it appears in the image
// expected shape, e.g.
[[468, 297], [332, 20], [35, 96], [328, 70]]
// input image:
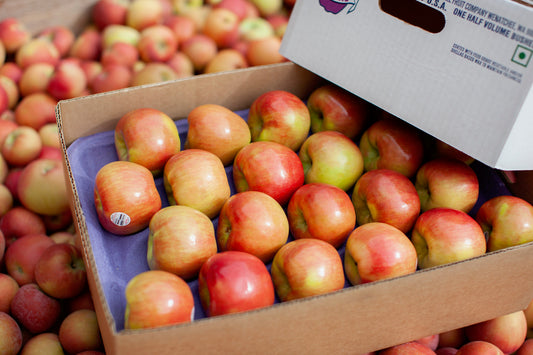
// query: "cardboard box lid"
[[469, 84]]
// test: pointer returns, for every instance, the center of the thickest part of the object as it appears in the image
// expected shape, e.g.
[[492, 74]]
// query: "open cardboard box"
[[460, 70], [354, 320]]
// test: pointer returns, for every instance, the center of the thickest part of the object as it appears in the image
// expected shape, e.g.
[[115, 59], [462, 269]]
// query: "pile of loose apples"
[[295, 198], [45, 304]]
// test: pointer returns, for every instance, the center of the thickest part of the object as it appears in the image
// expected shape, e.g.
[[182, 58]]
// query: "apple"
[[6, 127], [2, 54], [67, 81], [236, 6], [450, 183], [528, 311], [201, 49], [445, 150], [411, 347], [109, 12], [453, 338], [125, 197], [13, 34], [34, 309], [11, 89], [11, 70], [88, 44], [157, 298], [47, 342], [180, 240], [279, 23], [479, 347], [446, 235], [321, 211], [507, 332], [377, 251], [196, 178], [268, 7], [49, 134], [60, 271], [279, 116], [119, 33], [35, 79], [148, 137], [334, 109], [447, 350], [269, 167], [11, 180], [222, 25], [6, 201], [8, 289], [83, 301], [157, 43], [182, 26], [11, 339], [187, 6], [218, 130], [58, 222], [51, 201], [18, 222], [306, 267], [35, 110], [232, 282], [225, 60], [120, 53], [392, 144], [63, 236], [60, 36], [4, 169], [111, 77], [264, 51], [254, 28], [252, 222], [153, 72], [23, 254], [79, 331], [181, 64], [4, 100], [506, 221], [387, 196], [36, 50], [526, 348], [431, 341], [144, 13], [330, 157], [21, 146]]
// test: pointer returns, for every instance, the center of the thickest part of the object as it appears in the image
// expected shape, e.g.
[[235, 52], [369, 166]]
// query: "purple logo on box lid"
[[336, 6]]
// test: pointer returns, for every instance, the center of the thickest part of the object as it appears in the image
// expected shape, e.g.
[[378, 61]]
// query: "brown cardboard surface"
[[37, 14], [354, 320]]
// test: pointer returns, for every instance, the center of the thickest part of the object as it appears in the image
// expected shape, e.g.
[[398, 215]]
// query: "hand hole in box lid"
[[415, 13]]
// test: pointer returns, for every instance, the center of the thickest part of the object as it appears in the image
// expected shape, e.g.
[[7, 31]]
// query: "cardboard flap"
[[464, 85]]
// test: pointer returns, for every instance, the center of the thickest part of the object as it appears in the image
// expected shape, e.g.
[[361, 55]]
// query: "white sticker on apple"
[[120, 219]]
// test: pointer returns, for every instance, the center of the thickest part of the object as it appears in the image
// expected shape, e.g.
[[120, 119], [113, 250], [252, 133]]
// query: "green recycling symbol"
[[522, 55]]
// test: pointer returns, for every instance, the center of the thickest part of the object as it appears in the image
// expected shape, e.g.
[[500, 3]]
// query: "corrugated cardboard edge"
[[355, 320]]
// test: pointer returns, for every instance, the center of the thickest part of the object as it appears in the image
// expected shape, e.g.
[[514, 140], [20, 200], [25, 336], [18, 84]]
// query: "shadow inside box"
[[119, 258]]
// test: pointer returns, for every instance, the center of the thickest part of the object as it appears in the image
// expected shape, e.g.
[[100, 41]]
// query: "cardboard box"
[[37, 15], [354, 320], [460, 70]]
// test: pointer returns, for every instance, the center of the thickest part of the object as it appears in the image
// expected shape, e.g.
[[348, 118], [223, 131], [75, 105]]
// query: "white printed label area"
[[120, 219], [487, 63]]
